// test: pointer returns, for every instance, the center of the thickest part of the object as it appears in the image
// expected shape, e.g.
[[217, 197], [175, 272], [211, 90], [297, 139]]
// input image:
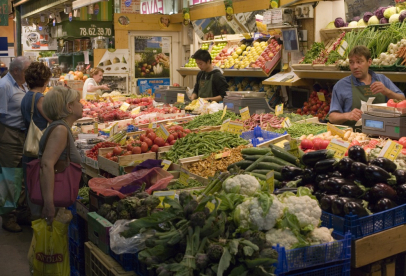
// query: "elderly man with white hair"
[[12, 127]]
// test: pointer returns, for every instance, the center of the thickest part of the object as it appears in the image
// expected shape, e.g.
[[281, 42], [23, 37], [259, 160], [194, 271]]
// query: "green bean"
[[211, 119]]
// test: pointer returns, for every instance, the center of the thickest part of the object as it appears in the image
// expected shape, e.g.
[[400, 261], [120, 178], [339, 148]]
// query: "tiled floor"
[[13, 252]]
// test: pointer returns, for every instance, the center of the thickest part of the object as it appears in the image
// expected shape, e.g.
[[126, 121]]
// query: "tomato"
[[144, 147], [324, 144], [326, 108], [402, 104], [305, 109], [167, 144], [402, 141], [172, 142], [129, 147], [159, 141], [114, 158], [170, 138], [392, 103], [127, 153], [306, 144], [148, 141], [136, 150], [117, 151], [317, 143], [151, 136], [314, 108], [109, 155], [149, 130], [175, 135], [154, 148]]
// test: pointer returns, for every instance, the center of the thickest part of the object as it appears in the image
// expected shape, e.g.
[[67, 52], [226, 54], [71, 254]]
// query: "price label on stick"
[[335, 130], [181, 98], [162, 132], [224, 125], [321, 96], [183, 178], [224, 112], [124, 107], [391, 150], [136, 110], [279, 109], [292, 147], [166, 164], [245, 113], [339, 146], [235, 127], [286, 123], [162, 194], [152, 125], [270, 181]]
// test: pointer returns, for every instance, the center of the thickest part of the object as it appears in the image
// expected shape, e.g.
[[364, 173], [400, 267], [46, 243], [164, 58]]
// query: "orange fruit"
[[75, 78], [85, 77], [79, 74], [71, 72]]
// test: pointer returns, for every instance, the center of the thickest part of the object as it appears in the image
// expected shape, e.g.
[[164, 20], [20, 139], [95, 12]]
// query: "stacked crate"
[[77, 238]]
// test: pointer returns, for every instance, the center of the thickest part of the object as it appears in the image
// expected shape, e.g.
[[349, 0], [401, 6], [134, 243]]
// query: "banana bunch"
[[194, 104]]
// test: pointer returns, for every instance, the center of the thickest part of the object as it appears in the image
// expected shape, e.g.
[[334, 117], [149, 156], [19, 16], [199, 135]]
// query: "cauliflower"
[[321, 235], [307, 210], [242, 184], [283, 237], [250, 214]]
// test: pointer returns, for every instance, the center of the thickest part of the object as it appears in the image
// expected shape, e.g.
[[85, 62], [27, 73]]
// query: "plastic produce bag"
[[10, 188], [155, 179], [121, 245], [48, 254]]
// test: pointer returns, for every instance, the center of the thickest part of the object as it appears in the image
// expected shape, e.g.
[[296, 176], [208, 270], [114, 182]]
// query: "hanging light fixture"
[[42, 18]]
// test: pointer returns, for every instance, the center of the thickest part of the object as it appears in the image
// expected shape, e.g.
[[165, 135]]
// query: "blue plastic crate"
[[258, 136], [307, 257], [127, 261], [77, 234], [74, 272], [78, 264], [365, 226], [76, 249], [78, 221], [342, 268]]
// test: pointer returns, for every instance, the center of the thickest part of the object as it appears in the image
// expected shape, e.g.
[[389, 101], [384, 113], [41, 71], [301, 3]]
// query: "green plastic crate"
[[387, 68], [399, 67], [98, 231]]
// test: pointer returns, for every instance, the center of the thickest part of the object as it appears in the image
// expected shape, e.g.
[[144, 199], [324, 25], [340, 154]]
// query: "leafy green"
[[229, 201], [313, 53], [224, 262]]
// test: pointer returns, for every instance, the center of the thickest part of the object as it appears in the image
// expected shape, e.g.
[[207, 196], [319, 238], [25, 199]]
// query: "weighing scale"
[[381, 120], [256, 102], [169, 94]]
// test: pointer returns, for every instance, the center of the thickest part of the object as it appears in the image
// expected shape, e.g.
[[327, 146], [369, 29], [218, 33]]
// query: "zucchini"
[[284, 154], [269, 159], [260, 176], [277, 175], [255, 151], [269, 166], [241, 164], [254, 165]]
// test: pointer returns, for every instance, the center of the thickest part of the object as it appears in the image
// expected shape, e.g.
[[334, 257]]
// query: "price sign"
[[183, 178], [224, 112], [224, 126], [235, 127], [123, 141], [162, 132], [95, 31], [245, 113], [212, 204], [279, 109], [391, 150], [166, 164], [136, 110], [339, 146], [113, 130], [321, 96], [342, 48], [180, 98], [110, 99], [152, 125], [286, 123], [334, 130], [292, 147], [162, 194], [124, 107], [96, 127], [222, 155], [270, 181]]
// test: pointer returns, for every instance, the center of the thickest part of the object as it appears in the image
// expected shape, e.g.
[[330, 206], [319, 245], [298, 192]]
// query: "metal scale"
[[381, 120], [169, 94], [256, 102]]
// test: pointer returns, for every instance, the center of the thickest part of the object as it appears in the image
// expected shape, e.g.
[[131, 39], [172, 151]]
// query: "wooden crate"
[[161, 154]]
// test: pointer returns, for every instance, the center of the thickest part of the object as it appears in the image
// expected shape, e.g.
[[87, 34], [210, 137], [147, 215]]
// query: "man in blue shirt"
[[12, 127], [360, 85]]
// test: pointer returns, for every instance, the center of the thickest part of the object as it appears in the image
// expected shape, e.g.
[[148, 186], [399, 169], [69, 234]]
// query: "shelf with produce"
[[327, 34], [337, 75]]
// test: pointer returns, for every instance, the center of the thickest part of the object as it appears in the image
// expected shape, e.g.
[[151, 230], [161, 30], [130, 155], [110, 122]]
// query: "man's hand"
[[379, 87], [354, 115]]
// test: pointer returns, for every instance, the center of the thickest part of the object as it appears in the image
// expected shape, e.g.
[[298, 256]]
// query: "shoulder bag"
[[34, 135]]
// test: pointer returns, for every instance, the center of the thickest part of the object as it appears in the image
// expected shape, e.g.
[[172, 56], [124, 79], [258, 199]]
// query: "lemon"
[[274, 4], [229, 10]]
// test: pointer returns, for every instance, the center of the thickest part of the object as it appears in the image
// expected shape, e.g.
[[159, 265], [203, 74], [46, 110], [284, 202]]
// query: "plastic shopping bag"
[[10, 188], [49, 255]]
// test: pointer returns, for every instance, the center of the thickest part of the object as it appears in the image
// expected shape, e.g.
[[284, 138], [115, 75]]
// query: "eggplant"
[[375, 174], [355, 208], [385, 164], [344, 166], [319, 194], [311, 158], [401, 192], [381, 190], [384, 204], [400, 177], [308, 176], [357, 154], [335, 174], [290, 172], [367, 196], [298, 177], [323, 166], [334, 184], [358, 169], [337, 206], [351, 190], [321, 177], [285, 189], [326, 202]]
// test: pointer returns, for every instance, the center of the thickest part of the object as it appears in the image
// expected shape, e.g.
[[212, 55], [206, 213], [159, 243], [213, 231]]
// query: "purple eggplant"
[[401, 192], [382, 190], [355, 208], [336, 174], [357, 154], [319, 194], [344, 166], [384, 204], [334, 184], [290, 172], [308, 176], [326, 202], [358, 169], [351, 190], [324, 166], [337, 207], [385, 164], [400, 177], [375, 174], [321, 177]]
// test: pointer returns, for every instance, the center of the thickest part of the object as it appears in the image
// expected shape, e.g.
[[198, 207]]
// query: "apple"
[[238, 51], [271, 55]]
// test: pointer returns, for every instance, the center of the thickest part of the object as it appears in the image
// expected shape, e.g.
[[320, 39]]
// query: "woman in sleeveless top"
[[63, 107]]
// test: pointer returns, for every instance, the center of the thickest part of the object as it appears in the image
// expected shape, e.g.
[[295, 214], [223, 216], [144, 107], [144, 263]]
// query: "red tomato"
[[306, 144], [167, 144], [114, 158], [402, 141], [324, 144], [127, 153], [159, 141], [117, 151], [308, 150], [149, 130], [402, 104], [170, 138], [148, 141], [172, 142], [154, 148], [109, 155], [136, 150], [142, 137], [317, 143], [144, 147], [151, 136], [187, 131], [129, 147], [391, 103]]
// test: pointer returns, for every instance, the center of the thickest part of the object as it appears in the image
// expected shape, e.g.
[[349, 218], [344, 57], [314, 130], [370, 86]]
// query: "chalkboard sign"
[[359, 7]]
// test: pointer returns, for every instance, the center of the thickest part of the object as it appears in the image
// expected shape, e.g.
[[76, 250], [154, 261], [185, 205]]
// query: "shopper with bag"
[[37, 77], [12, 137]]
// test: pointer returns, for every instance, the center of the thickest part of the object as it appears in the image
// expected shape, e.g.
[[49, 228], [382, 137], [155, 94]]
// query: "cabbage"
[[384, 21], [357, 18], [361, 23], [373, 20], [331, 25], [367, 16], [379, 12], [402, 16], [389, 12], [394, 18], [339, 22], [353, 24]]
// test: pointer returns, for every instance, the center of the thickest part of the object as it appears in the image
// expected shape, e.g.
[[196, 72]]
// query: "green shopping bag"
[[11, 180]]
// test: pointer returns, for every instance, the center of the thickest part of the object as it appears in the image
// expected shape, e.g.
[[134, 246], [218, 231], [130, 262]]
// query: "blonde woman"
[[91, 86], [63, 107]]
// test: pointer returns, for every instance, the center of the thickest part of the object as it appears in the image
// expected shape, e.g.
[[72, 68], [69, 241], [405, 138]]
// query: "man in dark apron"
[[359, 86], [210, 85]]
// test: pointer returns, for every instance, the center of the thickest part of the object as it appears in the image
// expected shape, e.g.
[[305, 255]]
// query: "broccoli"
[[114, 206], [258, 238], [202, 260], [140, 212], [184, 198], [128, 204], [214, 252], [112, 216], [189, 208], [269, 253], [197, 219], [104, 210], [151, 202], [124, 215]]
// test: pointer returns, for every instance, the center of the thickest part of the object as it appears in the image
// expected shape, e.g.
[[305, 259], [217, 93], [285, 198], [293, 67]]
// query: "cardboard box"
[[98, 231]]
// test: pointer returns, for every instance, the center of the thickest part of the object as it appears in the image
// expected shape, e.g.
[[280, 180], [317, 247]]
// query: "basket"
[[258, 136], [127, 261], [365, 226], [76, 249], [399, 67], [387, 68], [342, 268], [76, 234]]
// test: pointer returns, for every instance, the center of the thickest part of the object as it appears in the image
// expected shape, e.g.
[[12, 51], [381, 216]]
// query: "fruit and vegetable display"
[[177, 185], [214, 119], [396, 103], [315, 106], [94, 152], [218, 51], [298, 130], [192, 61]]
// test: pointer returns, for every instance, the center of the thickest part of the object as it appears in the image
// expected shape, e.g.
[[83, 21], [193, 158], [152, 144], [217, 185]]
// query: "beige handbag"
[[34, 135]]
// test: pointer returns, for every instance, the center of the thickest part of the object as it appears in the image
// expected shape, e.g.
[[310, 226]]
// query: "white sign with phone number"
[[95, 31]]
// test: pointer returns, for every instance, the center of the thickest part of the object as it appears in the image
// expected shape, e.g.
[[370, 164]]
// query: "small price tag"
[[334, 130], [224, 125], [270, 181], [222, 155], [183, 178], [162, 194], [123, 141], [321, 96], [113, 130], [286, 123], [391, 150], [96, 127], [166, 164], [162, 132], [180, 98], [279, 109], [136, 110], [124, 107], [235, 127], [212, 204], [339, 146], [152, 125], [245, 113], [292, 147], [224, 112]]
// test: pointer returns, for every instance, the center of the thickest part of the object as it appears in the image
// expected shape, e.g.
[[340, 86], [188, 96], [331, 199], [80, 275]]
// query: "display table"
[[337, 75]]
